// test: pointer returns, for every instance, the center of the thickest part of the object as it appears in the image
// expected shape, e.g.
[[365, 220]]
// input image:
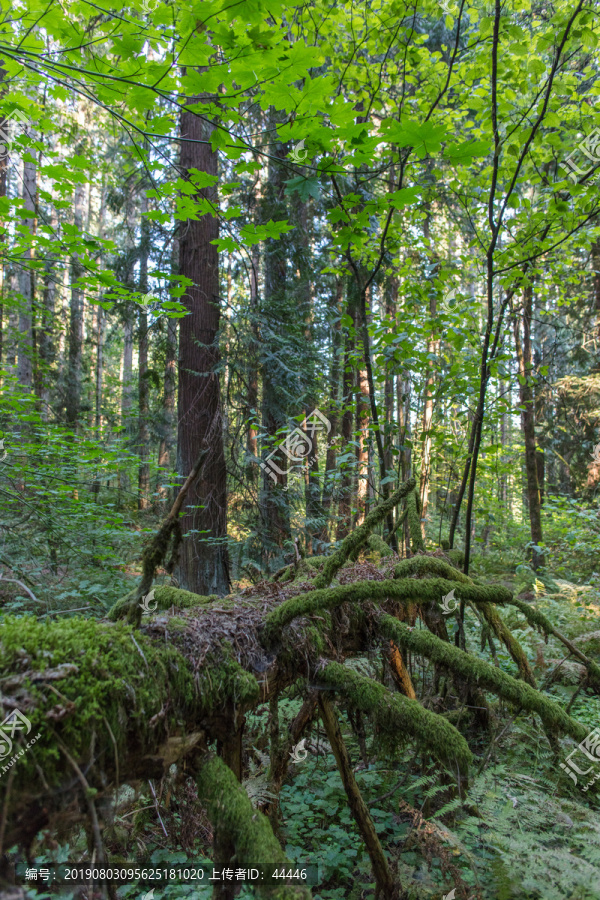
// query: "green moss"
[[414, 522], [230, 810], [164, 597], [398, 716], [456, 557], [358, 537], [400, 590], [378, 545], [504, 634], [107, 679], [477, 671], [222, 679], [429, 565]]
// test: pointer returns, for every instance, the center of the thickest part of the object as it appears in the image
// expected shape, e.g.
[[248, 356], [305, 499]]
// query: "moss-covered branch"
[[357, 538], [430, 566], [504, 634], [398, 717], [163, 597], [230, 810], [538, 620], [477, 671], [381, 870], [414, 522], [398, 590]]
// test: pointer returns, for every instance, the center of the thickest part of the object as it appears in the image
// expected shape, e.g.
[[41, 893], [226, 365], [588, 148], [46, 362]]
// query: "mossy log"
[[229, 809], [397, 717], [477, 671], [399, 590], [120, 703]]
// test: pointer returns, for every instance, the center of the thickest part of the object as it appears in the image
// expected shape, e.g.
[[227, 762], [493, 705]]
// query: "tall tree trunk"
[[347, 482], [203, 563], [274, 509], [26, 343], [332, 410], [433, 346], [143, 387], [526, 397], [167, 426], [127, 376], [74, 360], [47, 341], [362, 451], [99, 375]]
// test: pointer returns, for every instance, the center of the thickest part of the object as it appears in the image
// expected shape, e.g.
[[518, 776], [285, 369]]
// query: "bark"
[[253, 352], [167, 425], [75, 349], [203, 564], [47, 339], [143, 448], [526, 397], [433, 346], [332, 411], [274, 510], [362, 451], [347, 481], [26, 342]]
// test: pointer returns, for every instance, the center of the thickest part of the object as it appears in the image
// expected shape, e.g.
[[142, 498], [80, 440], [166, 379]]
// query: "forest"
[[299, 450]]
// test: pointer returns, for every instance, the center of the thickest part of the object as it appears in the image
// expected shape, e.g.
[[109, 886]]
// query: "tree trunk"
[[143, 390], [274, 509], [167, 425], [26, 348], [524, 360], [332, 411], [74, 358], [347, 482], [203, 564]]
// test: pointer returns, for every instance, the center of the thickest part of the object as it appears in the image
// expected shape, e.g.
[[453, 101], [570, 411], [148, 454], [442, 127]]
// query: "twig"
[[157, 809], [24, 586]]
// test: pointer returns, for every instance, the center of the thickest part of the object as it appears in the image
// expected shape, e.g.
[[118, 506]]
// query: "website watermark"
[[448, 599], [298, 446], [14, 124], [14, 722], [150, 300], [297, 150], [590, 747], [145, 604], [590, 147], [299, 752]]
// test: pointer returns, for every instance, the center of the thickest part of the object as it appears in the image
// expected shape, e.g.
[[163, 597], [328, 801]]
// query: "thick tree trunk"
[[274, 508], [524, 360], [203, 564]]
